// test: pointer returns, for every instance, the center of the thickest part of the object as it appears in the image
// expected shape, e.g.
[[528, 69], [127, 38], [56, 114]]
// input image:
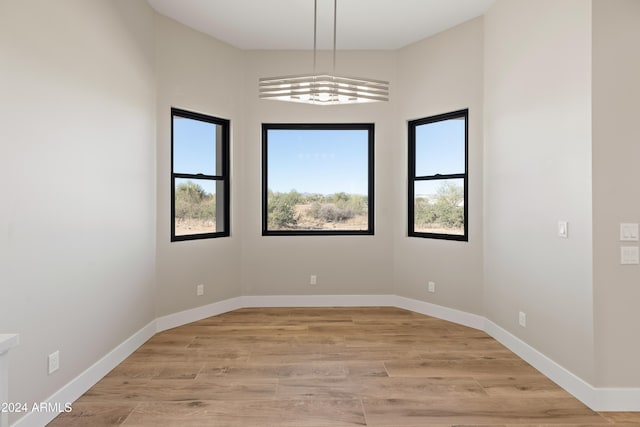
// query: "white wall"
[[537, 169], [77, 155], [616, 150], [275, 265], [439, 75], [197, 73]]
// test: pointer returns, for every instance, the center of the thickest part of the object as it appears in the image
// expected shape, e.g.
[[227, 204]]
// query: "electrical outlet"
[[54, 361], [522, 319], [431, 287], [200, 290], [313, 279]]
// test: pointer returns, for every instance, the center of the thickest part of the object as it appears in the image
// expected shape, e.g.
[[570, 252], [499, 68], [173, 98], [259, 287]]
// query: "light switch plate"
[[563, 229], [629, 255], [629, 232]]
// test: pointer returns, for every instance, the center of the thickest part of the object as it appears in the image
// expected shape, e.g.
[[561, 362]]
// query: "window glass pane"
[[439, 206], [318, 180], [198, 206], [195, 147], [440, 147], [318, 161]]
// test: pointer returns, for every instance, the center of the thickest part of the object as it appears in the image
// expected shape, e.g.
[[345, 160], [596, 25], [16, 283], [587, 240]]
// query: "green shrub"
[[446, 209], [329, 212], [193, 202], [281, 210]]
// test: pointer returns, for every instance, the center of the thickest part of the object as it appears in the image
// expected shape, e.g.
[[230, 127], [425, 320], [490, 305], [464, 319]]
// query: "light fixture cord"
[[315, 33], [335, 19]]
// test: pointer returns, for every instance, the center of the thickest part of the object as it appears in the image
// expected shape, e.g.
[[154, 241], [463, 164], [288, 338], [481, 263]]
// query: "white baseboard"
[[87, 379], [598, 399], [192, 315], [7, 342], [580, 389], [445, 313], [617, 399]]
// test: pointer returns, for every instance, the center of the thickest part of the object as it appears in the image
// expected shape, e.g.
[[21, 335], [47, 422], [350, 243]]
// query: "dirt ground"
[[305, 222], [191, 226], [439, 230]]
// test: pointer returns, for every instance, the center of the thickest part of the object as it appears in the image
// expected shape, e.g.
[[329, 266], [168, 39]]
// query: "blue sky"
[[440, 148], [318, 161], [194, 150], [194, 146], [321, 161]]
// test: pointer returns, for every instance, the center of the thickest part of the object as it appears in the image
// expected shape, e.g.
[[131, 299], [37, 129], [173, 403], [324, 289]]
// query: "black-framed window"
[[438, 176], [317, 179], [199, 176]]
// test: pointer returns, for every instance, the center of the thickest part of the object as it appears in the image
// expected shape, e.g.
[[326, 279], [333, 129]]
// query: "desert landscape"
[[195, 211]]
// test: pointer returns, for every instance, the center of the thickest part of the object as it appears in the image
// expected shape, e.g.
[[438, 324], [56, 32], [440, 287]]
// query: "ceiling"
[[288, 24]]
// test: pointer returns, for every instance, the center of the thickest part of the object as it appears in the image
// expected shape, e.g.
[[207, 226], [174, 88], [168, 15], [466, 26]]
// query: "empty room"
[[319, 213]]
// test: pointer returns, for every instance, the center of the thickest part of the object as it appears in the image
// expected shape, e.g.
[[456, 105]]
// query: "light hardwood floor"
[[327, 367]]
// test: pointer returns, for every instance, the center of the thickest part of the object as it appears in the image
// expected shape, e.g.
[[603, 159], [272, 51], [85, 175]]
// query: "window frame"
[[412, 178], [369, 127], [224, 176]]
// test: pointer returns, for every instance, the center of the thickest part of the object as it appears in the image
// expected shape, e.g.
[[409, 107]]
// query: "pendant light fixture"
[[323, 89]]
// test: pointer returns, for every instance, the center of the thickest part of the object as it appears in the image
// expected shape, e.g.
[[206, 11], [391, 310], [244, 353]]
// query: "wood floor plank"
[[168, 354], [368, 368], [106, 414], [399, 412], [129, 370], [322, 413], [453, 368], [604, 424], [116, 390], [622, 417], [282, 370], [201, 413], [328, 367], [284, 413], [250, 329], [179, 370], [319, 388], [521, 385], [181, 390], [169, 339], [294, 354], [400, 388], [166, 370]]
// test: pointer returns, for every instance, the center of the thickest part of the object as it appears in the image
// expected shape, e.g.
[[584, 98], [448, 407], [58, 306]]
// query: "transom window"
[[437, 200], [317, 179], [199, 176]]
